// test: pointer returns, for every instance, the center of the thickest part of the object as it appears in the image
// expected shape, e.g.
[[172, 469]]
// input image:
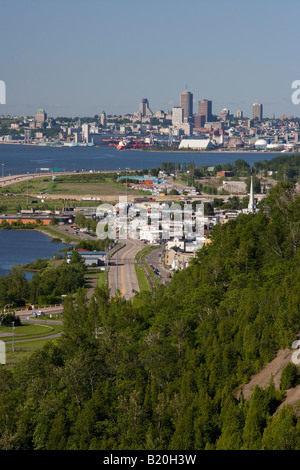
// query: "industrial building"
[[196, 144], [91, 258]]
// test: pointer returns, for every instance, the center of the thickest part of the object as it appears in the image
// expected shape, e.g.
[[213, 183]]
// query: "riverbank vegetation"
[[47, 285]]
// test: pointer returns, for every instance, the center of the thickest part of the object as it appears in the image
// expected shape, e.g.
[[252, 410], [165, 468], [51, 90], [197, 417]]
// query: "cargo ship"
[[131, 144]]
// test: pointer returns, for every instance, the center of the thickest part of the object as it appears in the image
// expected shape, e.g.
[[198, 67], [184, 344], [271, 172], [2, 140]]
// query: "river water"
[[25, 246], [20, 159]]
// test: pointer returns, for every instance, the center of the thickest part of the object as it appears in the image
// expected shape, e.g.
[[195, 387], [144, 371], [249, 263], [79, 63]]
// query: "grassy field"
[[28, 339], [29, 331], [70, 185], [101, 280], [24, 349]]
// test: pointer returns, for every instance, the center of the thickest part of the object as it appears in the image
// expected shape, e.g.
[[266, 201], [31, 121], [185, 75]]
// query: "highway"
[[155, 257], [121, 274]]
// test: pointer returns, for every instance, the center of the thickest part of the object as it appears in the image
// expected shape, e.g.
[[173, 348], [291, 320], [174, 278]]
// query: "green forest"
[[164, 371]]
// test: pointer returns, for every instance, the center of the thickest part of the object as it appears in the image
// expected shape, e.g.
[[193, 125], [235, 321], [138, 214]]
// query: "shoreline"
[[220, 151], [45, 232]]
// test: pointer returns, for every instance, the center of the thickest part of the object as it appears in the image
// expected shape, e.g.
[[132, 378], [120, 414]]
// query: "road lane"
[[155, 257], [122, 275]]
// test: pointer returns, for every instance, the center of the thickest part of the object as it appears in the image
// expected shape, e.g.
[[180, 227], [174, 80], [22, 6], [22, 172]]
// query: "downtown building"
[[205, 109], [257, 111], [186, 103], [177, 115]]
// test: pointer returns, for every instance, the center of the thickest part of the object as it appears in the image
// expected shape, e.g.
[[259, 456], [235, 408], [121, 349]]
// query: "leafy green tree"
[[77, 260], [80, 220]]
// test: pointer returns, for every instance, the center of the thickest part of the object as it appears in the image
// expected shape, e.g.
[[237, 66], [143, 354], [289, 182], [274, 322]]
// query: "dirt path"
[[92, 285]]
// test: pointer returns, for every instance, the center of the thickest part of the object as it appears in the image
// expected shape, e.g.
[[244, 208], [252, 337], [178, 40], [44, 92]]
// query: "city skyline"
[[77, 59]]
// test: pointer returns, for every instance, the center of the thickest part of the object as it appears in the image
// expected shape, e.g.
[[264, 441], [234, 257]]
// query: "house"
[[177, 259]]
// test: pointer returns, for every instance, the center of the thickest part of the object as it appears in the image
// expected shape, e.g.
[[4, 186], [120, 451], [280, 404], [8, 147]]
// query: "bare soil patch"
[[271, 370]]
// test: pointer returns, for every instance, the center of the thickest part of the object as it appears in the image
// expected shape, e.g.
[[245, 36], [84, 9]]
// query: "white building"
[[85, 129], [261, 144], [196, 144], [177, 115]]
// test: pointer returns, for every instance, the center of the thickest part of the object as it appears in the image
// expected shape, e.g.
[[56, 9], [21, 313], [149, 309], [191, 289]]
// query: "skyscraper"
[[257, 111], [199, 121], [205, 109], [177, 115], [186, 103]]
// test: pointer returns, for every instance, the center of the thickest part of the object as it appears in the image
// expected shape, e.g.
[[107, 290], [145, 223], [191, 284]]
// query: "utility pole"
[[13, 326], [106, 266], [117, 268], [126, 181]]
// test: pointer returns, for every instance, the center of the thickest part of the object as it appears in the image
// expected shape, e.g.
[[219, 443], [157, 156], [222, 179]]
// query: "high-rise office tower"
[[205, 109], [177, 115], [257, 111], [186, 103], [199, 121]]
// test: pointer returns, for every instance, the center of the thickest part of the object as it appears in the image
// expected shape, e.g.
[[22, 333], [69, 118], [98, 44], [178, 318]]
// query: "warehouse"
[[196, 144]]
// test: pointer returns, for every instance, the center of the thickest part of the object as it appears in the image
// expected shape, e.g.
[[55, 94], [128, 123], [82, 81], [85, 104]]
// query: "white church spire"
[[251, 205]]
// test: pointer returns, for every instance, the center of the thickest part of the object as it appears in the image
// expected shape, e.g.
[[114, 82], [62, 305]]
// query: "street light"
[[13, 326], [2, 170], [126, 181]]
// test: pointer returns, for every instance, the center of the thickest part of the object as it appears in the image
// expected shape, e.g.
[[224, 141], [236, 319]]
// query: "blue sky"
[[78, 58]]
